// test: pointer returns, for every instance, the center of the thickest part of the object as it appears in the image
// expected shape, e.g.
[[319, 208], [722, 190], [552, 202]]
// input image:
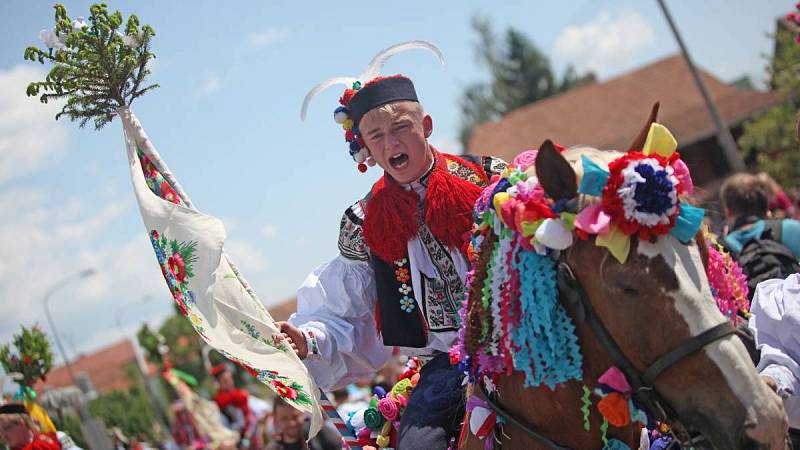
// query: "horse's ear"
[[555, 174], [638, 143]]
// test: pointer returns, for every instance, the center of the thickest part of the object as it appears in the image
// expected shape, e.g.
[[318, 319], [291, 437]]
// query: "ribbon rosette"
[[640, 195]]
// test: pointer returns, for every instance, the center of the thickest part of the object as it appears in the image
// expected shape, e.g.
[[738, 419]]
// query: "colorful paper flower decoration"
[[640, 196]]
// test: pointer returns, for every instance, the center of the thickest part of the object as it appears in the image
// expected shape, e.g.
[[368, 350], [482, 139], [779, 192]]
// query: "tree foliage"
[[772, 135], [96, 67], [519, 74], [31, 356], [130, 411]]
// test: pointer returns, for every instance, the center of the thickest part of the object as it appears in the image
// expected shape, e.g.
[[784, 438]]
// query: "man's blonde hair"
[[414, 108]]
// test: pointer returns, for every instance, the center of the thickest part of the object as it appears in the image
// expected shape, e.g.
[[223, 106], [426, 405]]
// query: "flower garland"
[[727, 280], [513, 316]]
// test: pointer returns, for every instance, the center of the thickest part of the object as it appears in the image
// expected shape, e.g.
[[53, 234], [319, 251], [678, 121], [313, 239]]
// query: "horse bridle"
[[642, 382]]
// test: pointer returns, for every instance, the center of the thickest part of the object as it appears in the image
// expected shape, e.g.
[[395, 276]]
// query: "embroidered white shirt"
[[775, 321], [337, 301]]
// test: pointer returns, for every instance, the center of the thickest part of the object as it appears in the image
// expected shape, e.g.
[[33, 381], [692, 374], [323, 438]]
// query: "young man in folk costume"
[[399, 277]]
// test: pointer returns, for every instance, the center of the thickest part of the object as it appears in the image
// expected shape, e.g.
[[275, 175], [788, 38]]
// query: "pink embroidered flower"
[[168, 194], [148, 168], [177, 267], [178, 296], [284, 390]]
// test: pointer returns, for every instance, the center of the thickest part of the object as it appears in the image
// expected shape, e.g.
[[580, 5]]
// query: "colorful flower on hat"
[[640, 196]]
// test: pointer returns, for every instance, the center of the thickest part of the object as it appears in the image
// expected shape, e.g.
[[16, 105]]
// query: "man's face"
[[289, 422], [225, 381], [14, 432], [396, 136]]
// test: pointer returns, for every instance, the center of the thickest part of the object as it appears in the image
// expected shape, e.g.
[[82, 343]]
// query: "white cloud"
[[43, 241], [245, 255], [269, 231], [30, 137], [210, 85], [267, 37], [604, 44]]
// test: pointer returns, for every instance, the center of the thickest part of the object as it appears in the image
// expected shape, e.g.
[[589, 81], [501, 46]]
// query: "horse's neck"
[[557, 413]]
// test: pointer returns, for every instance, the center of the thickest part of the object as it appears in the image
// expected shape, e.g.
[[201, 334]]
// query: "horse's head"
[[655, 298]]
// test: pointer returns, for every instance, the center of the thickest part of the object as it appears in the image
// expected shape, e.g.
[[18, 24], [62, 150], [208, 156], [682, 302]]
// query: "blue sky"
[[226, 120]]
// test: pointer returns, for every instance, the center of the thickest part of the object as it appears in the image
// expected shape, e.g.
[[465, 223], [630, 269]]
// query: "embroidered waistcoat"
[[400, 319]]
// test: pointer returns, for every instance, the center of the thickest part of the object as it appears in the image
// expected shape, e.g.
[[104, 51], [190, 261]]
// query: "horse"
[[651, 317]]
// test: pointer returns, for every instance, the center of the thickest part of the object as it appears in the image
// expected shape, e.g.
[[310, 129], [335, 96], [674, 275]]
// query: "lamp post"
[[149, 383], [73, 278]]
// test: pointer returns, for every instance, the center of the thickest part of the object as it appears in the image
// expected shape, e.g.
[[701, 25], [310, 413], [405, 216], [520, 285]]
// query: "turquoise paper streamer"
[[548, 347], [688, 222], [594, 178]]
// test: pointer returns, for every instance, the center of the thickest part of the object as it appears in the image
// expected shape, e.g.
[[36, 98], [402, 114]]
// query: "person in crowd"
[[234, 405], [18, 431], [775, 322], [765, 248], [399, 278], [780, 203], [292, 427]]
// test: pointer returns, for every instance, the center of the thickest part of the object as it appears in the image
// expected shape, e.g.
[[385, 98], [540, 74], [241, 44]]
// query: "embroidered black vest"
[[400, 318]]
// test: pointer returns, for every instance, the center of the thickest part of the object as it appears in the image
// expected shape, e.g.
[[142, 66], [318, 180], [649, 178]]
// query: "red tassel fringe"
[[449, 202], [391, 219]]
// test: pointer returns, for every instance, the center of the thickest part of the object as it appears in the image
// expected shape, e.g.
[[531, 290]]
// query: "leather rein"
[[642, 382]]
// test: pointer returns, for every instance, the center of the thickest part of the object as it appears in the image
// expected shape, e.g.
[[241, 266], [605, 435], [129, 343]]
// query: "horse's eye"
[[627, 289]]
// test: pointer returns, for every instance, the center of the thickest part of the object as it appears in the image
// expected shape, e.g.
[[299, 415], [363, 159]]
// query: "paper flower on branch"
[[97, 66], [640, 196], [30, 356]]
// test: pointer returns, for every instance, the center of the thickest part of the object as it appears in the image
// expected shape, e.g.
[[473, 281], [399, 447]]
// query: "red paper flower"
[[614, 407], [345, 98], [26, 359], [613, 203]]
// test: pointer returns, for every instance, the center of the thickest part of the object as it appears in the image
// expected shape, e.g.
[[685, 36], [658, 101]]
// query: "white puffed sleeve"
[[337, 304]]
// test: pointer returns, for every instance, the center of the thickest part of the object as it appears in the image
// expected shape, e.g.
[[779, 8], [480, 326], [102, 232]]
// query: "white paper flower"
[[51, 39], [553, 234], [627, 192], [130, 41], [79, 23]]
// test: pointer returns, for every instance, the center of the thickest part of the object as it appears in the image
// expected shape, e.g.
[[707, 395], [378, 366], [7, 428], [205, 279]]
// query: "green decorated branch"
[[97, 65], [31, 356]]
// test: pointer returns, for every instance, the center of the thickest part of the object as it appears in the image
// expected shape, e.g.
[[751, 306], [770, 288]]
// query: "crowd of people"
[[763, 234]]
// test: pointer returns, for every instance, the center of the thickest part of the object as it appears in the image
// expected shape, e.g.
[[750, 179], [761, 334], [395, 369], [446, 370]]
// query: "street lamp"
[[73, 278]]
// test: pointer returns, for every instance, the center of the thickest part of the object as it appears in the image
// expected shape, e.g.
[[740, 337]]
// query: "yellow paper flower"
[[617, 242], [659, 141]]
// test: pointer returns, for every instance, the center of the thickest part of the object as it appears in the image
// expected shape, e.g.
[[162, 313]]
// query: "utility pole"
[[724, 137]]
